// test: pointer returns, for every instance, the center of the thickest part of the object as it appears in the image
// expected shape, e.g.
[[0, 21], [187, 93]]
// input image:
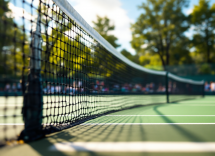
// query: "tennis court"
[[178, 128], [65, 90]]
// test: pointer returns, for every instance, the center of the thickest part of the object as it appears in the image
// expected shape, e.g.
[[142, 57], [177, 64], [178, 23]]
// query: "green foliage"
[[69, 55], [205, 69], [192, 69], [147, 60], [180, 52], [159, 29], [104, 27], [150, 60], [203, 19], [133, 58], [12, 44], [6, 25], [59, 59]]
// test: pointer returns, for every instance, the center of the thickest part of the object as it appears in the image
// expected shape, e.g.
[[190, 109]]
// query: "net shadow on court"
[[126, 133]]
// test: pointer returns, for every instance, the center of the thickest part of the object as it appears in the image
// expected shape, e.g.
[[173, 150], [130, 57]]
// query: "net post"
[[167, 87], [33, 95]]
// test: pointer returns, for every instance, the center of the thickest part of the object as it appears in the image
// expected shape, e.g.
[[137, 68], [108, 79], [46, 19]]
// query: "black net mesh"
[[54, 74]]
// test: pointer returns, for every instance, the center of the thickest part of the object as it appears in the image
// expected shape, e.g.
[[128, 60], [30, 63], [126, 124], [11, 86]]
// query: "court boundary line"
[[165, 115], [134, 146], [125, 115], [100, 124], [94, 124]]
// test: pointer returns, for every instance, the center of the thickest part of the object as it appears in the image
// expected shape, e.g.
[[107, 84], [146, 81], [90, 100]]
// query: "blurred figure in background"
[[207, 86], [14, 87], [212, 86], [19, 87], [7, 87]]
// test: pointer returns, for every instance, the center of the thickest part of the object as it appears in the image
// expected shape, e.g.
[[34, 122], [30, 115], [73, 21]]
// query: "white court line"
[[162, 115], [177, 105], [20, 124], [44, 114], [94, 124], [191, 105], [134, 146], [11, 124], [190, 101], [184, 104], [195, 102], [188, 104], [116, 115], [10, 115], [11, 105]]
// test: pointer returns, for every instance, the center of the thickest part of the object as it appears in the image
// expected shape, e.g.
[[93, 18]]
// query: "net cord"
[[177, 78]]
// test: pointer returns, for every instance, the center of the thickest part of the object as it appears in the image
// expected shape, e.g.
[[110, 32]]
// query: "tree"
[[52, 39], [6, 27], [180, 52], [159, 28], [103, 27], [203, 19], [64, 47], [133, 58], [151, 61], [12, 43], [6, 24]]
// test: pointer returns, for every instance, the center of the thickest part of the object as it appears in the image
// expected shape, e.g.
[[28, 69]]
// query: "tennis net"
[[57, 71]]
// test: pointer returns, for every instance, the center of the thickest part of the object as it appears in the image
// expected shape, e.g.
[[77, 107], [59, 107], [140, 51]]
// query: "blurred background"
[[176, 36], [55, 74]]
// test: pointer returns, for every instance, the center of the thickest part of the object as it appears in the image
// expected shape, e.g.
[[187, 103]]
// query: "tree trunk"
[[167, 57], [208, 46], [208, 54], [162, 60]]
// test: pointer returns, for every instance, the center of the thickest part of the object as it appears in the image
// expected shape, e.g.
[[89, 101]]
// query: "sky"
[[121, 12]]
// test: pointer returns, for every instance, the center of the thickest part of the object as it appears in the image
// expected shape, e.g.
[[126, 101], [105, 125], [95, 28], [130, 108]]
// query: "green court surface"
[[180, 128]]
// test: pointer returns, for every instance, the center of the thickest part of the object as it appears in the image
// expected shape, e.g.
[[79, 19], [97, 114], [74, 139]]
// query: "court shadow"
[[92, 133], [186, 133], [114, 133], [89, 133]]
